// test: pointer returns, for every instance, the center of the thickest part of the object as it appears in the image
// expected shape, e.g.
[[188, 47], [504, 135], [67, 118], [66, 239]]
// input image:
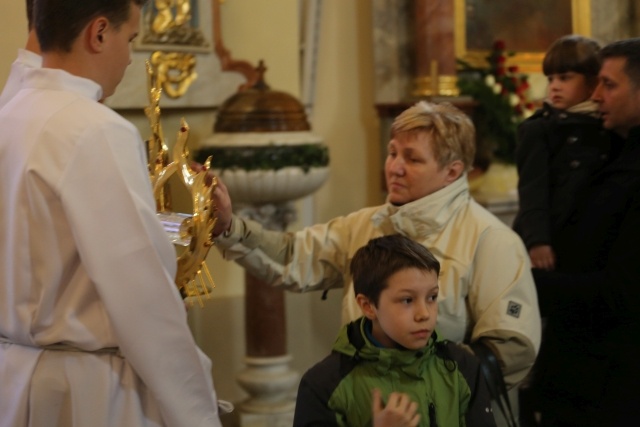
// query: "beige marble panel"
[[615, 19], [218, 328], [210, 88], [392, 50]]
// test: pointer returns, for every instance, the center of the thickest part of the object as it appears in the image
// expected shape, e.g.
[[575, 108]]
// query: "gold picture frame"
[[529, 59], [173, 25]]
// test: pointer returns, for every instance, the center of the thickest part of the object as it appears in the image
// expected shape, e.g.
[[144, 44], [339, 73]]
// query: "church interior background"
[[346, 76]]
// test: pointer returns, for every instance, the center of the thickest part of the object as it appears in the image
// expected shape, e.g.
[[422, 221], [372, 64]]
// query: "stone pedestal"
[[497, 190], [270, 382]]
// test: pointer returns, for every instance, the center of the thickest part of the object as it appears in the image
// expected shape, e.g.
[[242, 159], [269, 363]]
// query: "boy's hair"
[[374, 263], [30, 14], [452, 131], [628, 49], [59, 22], [573, 53]]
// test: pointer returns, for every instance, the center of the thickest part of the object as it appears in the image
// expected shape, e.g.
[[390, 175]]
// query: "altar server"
[[93, 331]]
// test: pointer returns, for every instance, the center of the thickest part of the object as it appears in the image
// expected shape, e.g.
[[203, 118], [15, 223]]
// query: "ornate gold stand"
[[192, 278]]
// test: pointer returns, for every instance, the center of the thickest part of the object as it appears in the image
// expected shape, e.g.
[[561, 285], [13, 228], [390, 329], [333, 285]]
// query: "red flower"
[[501, 59], [513, 69]]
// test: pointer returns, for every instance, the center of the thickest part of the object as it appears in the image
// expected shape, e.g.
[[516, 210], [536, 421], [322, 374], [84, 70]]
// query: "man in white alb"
[[92, 328]]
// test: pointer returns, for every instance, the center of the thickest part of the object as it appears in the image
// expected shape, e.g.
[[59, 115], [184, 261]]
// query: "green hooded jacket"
[[442, 378]]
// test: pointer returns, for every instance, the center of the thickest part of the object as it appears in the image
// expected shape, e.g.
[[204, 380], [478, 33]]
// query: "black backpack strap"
[[492, 373]]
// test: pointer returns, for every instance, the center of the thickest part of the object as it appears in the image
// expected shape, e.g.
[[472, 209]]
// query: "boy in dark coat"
[[559, 148]]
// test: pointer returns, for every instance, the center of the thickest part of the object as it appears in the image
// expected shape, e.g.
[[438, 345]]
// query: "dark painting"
[[524, 25]]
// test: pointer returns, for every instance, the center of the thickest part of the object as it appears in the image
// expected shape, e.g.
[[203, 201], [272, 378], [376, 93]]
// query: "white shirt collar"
[[56, 79]]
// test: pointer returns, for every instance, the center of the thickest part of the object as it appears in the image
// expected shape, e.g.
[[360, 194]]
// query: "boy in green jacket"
[[393, 354]]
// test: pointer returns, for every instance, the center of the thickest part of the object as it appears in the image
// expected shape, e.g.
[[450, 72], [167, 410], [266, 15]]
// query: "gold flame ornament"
[[193, 278]]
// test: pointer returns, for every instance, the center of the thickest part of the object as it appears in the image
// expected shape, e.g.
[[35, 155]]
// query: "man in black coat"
[[589, 365]]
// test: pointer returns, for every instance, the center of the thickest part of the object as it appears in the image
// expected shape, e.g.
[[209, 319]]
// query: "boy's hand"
[[543, 257], [399, 412]]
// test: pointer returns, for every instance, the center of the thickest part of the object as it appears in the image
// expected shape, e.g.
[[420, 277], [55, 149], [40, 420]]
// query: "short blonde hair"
[[452, 131]]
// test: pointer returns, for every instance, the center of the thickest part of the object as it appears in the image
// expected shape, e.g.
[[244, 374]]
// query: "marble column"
[[435, 56], [267, 378], [265, 327]]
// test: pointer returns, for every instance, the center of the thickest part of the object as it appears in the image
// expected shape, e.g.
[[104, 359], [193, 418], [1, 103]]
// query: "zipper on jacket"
[[432, 415]]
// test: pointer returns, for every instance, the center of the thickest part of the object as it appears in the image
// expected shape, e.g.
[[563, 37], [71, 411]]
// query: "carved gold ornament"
[[171, 13], [193, 278], [174, 72], [171, 22]]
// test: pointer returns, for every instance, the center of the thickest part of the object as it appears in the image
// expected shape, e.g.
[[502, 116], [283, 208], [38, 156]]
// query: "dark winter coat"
[[590, 358], [557, 153]]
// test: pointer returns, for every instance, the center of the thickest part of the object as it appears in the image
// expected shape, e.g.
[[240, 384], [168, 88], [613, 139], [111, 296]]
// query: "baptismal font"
[[267, 157]]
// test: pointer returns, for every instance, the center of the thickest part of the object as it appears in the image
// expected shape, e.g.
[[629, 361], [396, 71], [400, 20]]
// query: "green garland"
[[272, 157]]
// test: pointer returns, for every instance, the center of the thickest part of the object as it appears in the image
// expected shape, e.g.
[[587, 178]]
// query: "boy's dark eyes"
[[409, 300]]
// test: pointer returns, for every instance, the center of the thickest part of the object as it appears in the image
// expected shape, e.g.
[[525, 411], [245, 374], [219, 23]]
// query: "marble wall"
[[394, 50], [392, 47], [615, 19]]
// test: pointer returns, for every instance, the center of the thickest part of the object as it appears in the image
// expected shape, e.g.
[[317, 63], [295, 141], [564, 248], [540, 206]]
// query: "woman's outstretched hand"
[[220, 196], [223, 208]]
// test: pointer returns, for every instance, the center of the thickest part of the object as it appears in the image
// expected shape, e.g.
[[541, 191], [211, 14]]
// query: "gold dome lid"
[[260, 109]]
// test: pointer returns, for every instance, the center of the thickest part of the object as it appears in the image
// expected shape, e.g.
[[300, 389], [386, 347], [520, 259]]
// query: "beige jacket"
[[486, 287]]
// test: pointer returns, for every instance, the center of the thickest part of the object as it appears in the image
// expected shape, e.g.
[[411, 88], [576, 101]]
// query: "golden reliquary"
[[190, 232]]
